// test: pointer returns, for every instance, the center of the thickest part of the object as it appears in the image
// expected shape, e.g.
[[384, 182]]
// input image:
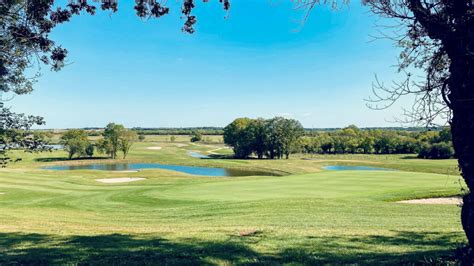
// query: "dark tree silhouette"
[[436, 37]]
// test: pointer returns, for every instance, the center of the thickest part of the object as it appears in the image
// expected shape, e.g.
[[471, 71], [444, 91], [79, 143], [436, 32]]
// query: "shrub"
[[196, 136], [442, 150]]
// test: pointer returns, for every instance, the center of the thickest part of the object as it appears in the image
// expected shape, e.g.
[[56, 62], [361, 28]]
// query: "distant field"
[[307, 215], [55, 138]]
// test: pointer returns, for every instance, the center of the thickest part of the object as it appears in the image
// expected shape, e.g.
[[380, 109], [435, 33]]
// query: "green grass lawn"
[[307, 216]]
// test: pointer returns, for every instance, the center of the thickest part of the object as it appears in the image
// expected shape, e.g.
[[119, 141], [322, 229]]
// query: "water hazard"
[[193, 170]]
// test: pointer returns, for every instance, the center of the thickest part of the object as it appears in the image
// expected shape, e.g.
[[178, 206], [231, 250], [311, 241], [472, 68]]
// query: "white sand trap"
[[119, 180], [1, 193], [156, 148], [450, 200], [127, 171], [179, 145]]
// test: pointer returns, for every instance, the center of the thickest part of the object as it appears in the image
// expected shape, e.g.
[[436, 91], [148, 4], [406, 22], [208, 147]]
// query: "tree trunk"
[[461, 85]]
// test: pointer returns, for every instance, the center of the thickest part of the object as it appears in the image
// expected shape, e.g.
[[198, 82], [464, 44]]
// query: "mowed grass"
[[308, 216]]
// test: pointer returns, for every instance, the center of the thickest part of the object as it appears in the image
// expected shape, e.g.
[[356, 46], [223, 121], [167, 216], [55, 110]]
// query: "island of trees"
[[271, 138]]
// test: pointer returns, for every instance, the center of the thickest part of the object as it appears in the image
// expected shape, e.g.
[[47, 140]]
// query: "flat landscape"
[[297, 213]]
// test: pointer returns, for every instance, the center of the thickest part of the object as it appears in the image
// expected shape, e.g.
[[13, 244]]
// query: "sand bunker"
[[450, 200], [127, 171], [179, 145], [154, 148], [1, 193], [119, 180]]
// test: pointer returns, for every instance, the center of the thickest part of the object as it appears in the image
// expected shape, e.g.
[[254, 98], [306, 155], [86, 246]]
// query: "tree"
[[141, 137], [196, 136], [126, 139], [172, 139], [25, 27], [90, 150], [75, 142], [292, 130], [259, 131], [104, 146], [440, 150], [15, 133], [326, 143], [367, 143], [438, 39], [112, 139], [276, 136], [238, 135], [445, 135]]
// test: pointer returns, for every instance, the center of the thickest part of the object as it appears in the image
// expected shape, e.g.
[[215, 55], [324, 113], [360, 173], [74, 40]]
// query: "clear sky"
[[260, 61]]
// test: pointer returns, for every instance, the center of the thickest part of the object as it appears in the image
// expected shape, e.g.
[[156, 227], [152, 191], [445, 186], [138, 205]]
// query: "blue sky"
[[259, 61]]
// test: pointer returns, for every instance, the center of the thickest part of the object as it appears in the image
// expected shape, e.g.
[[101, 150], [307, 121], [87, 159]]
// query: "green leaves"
[[272, 138], [75, 142]]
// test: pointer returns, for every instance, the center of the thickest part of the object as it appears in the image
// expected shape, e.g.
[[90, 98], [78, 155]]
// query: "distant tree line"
[[115, 138], [218, 131], [179, 131], [405, 129], [265, 138], [427, 144]]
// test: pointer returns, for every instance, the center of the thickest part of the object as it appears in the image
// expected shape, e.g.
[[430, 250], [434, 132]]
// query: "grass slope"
[[308, 217]]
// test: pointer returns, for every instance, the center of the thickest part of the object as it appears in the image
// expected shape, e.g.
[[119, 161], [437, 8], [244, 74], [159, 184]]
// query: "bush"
[[196, 136], [442, 150]]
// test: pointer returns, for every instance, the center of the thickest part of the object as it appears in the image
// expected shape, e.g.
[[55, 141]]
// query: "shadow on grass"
[[220, 156], [17, 248], [64, 159], [410, 157], [231, 156]]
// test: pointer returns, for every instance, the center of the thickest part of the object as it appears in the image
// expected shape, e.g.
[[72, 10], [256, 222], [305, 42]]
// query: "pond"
[[354, 168], [193, 170]]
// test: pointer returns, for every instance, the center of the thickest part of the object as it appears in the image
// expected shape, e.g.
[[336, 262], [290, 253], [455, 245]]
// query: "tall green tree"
[[275, 139], [112, 138], [259, 135], [75, 142], [238, 135], [292, 131], [127, 138]]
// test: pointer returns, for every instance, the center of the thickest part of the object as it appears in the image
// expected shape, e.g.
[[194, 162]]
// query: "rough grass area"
[[308, 216]]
